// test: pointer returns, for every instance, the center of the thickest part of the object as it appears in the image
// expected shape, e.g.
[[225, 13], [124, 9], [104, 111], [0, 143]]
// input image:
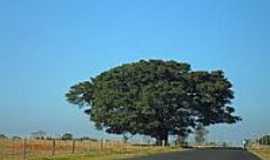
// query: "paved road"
[[204, 155]]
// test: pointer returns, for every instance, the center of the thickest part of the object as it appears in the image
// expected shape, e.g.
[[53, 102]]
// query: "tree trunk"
[[163, 138]]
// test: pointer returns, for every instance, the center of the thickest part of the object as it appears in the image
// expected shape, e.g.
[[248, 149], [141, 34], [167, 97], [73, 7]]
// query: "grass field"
[[113, 156], [71, 150], [261, 151]]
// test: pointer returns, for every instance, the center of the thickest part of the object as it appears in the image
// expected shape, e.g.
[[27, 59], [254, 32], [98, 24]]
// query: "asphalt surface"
[[210, 154]]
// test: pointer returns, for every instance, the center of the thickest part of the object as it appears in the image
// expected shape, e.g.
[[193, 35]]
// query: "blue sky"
[[47, 46]]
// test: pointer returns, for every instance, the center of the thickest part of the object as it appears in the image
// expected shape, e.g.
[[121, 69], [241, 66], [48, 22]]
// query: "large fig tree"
[[155, 98]]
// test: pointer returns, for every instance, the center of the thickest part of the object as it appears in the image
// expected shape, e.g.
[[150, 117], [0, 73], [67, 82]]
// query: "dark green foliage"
[[87, 139], [156, 98], [39, 134], [2, 136], [265, 140], [67, 136], [16, 138]]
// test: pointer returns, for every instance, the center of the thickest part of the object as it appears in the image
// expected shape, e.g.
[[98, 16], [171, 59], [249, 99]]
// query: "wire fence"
[[259, 143], [30, 148]]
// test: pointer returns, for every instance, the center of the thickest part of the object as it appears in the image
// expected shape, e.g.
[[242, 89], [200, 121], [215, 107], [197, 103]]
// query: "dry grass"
[[16, 149], [43, 149], [114, 156], [261, 151]]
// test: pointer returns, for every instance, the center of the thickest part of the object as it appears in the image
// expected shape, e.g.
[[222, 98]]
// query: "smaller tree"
[[49, 138], [67, 136], [200, 134], [125, 138], [16, 138], [85, 138], [2, 136], [40, 134]]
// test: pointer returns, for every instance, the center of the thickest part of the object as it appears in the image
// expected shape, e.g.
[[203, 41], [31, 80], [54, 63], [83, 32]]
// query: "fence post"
[[89, 145], [101, 144], [104, 142], [73, 146], [122, 147], [24, 148], [1, 151], [53, 147], [163, 143], [13, 147]]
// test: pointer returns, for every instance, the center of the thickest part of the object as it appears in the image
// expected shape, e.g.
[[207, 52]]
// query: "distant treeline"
[[2, 136], [66, 136], [264, 140]]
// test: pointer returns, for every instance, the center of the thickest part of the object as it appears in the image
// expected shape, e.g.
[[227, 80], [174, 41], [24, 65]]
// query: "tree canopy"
[[40, 134], [155, 98], [67, 136]]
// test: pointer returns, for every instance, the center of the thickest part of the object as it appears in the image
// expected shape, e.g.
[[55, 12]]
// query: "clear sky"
[[47, 46]]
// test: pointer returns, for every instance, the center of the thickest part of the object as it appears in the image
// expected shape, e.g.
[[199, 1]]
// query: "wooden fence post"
[[53, 147], [104, 142], [24, 148], [122, 147], [73, 146], [90, 146], [1, 150], [109, 147], [13, 147], [101, 144], [125, 146]]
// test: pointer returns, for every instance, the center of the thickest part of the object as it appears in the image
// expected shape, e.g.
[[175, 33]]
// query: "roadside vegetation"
[[146, 151], [59, 149], [260, 146], [263, 153]]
